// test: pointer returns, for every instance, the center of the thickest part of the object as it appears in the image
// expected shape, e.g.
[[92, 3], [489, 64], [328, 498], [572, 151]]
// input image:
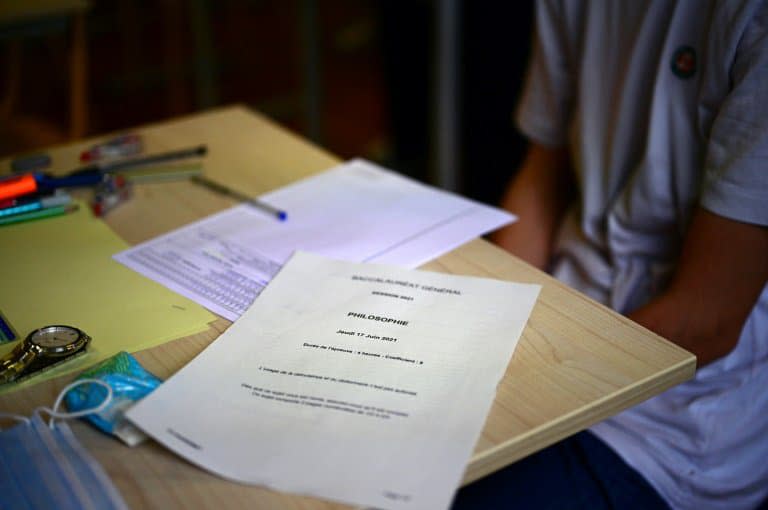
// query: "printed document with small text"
[[361, 383]]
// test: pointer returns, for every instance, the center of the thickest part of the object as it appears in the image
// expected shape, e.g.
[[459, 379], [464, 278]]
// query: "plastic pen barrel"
[[48, 212]]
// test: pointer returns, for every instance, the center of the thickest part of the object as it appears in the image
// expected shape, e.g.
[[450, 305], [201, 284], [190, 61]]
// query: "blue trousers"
[[580, 472]]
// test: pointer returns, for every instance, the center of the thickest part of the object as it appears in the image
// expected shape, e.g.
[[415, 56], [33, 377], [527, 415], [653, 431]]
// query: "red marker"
[[17, 185]]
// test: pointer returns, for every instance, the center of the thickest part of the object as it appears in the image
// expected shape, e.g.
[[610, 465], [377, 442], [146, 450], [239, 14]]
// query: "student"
[[646, 187]]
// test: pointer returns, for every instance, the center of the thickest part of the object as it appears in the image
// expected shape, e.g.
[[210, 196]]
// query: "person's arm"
[[539, 195], [722, 269]]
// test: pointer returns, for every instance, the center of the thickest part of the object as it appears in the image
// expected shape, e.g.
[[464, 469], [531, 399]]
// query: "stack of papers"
[[357, 211], [361, 383]]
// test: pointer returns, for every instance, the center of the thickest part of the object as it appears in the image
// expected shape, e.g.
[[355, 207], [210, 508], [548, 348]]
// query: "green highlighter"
[[47, 212]]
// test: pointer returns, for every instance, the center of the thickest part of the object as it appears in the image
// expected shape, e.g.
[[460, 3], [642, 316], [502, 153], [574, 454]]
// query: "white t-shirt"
[[664, 106]]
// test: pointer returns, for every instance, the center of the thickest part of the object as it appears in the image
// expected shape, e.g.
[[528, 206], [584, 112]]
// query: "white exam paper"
[[356, 211], [361, 383]]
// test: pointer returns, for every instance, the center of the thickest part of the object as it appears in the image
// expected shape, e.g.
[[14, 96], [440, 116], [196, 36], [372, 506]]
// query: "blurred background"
[[427, 88]]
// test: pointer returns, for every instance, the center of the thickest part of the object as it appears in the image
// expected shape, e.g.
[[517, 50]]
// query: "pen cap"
[[17, 185]]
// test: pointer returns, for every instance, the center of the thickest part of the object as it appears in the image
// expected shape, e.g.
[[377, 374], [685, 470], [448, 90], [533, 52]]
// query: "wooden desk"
[[577, 361]]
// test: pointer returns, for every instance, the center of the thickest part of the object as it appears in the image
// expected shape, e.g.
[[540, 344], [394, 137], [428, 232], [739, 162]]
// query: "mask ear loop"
[[16, 417], [55, 413]]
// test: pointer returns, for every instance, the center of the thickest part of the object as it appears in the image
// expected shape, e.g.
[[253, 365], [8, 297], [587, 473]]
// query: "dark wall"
[[496, 47], [494, 42], [357, 76]]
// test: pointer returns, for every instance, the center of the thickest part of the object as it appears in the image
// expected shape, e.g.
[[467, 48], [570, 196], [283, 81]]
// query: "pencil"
[[48, 212], [126, 164], [255, 202], [92, 175]]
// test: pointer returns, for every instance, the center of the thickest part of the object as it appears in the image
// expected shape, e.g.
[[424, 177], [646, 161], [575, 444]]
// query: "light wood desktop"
[[577, 361]]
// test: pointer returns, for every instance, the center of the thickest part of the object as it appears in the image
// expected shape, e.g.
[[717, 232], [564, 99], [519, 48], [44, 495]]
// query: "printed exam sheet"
[[360, 383], [356, 211]]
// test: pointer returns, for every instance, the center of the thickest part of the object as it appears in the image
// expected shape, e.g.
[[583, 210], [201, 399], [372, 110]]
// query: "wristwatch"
[[42, 348]]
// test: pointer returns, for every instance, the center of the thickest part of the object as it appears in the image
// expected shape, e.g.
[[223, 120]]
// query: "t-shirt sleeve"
[[736, 167], [544, 109]]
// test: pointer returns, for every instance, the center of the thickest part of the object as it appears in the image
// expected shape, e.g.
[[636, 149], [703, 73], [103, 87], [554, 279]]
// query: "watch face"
[[56, 338]]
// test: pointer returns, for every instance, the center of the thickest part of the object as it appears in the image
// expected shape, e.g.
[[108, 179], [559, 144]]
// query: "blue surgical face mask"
[[42, 465]]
